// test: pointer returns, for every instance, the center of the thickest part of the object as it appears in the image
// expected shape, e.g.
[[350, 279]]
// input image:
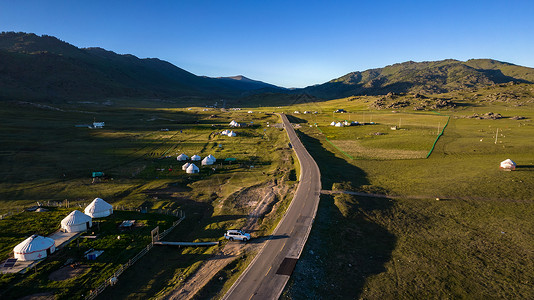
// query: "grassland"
[[48, 159], [475, 242]]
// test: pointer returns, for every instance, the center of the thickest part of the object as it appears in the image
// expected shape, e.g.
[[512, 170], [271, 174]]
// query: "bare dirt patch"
[[68, 272]]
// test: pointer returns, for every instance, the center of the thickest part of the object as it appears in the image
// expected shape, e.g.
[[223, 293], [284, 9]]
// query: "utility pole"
[[439, 124], [496, 135]]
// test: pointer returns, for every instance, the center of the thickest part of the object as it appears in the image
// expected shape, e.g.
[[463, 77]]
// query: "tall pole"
[[496, 135], [439, 124]]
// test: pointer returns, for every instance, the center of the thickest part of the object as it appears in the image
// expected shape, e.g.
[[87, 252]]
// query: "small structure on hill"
[[196, 157], [225, 132], [192, 169], [231, 134], [98, 208], [333, 123], [340, 111], [508, 165], [212, 158], [182, 157], [185, 166], [34, 248], [98, 125], [234, 124], [339, 124], [76, 221]]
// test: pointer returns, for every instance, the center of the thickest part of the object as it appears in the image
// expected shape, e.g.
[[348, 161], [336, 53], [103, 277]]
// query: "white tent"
[[35, 247], [192, 169], [98, 208], [182, 157], [212, 158], [339, 124], [225, 132], [231, 134], [196, 157], [508, 164], [76, 221], [333, 123], [185, 166], [234, 124], [207, 161]]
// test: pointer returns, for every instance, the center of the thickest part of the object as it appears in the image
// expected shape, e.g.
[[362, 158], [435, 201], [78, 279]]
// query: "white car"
[[234, 234]]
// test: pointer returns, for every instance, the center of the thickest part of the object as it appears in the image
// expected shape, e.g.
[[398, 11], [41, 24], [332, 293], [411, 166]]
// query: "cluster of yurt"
[[343, 124], [37, 247], [508, 165], [34, 248], [234, 124], [208, 160], [229, 133]]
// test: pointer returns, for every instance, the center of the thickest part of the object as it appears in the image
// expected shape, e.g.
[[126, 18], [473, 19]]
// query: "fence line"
[[113, 278]]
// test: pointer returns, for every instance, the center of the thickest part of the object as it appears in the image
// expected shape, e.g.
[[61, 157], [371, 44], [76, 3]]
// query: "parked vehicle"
[[235, 234]]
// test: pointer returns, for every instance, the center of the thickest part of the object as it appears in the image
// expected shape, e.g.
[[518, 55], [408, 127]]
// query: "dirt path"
[[231, 251]]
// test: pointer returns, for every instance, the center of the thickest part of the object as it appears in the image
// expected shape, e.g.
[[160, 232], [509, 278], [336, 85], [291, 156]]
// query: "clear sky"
[[287, 43]]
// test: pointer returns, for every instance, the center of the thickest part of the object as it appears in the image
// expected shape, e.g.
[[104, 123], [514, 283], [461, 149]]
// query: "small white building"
[[207, 161], [508, 165], [34, 248], [98, 208], [185, 166], [182, 157], [76, 221], [192, 169], [196, 157]]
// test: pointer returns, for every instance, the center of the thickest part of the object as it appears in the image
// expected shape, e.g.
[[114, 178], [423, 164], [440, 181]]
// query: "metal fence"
[[113, 278]]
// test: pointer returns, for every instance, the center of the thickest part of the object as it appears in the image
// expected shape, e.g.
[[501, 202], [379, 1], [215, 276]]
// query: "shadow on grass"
[[345, 248]]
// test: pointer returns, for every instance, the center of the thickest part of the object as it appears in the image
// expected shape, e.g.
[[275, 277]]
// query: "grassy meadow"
[[48, 159], [452, 225]]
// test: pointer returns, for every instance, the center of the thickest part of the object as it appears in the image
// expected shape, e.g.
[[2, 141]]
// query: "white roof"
[[333, 123], [231, 133], [192, 168], [182, 157], [196, 157], [185, 166], [34, 243], [508, 163], [225, 131], [339, 124], [98, 205], [207, 161], [212, 158], [74, 218]]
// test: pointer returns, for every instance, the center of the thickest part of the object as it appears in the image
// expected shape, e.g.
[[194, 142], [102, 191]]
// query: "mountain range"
[[36, 67]]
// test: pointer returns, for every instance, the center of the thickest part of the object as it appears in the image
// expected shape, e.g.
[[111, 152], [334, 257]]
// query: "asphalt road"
[[270, 270]]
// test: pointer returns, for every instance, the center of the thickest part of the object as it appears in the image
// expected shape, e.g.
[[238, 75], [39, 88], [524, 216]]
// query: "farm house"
[[192, 169], [34, 248], [98, 208], [76, 221], [508, 165], [182, 157]]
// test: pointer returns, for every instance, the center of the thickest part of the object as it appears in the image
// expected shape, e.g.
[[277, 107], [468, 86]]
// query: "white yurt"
[[196, 157], [231, 134], [35, 247], [333, 123], [207, 161], [182, 157], [192, 169], [346, 123], [212, 158], [234, 124], [339, 124], [76, 221], [508, 164], [98, 208], [225, 132], [185, 166]]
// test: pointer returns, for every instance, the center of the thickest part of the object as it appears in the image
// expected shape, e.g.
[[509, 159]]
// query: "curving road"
[[270, 270]]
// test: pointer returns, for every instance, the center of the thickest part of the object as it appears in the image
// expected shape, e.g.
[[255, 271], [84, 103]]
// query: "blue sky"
[[287, 43]]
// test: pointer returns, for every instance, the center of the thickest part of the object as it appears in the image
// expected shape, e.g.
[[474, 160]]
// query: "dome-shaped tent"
[[196, 157], [35, 247], [231, 134], [225, 132], [212, 158], [182, 157], [508, 164], [339, 124], [207, 161], [333, 123], [192, 169], [185, 166], [98, 208], [76, 221]]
